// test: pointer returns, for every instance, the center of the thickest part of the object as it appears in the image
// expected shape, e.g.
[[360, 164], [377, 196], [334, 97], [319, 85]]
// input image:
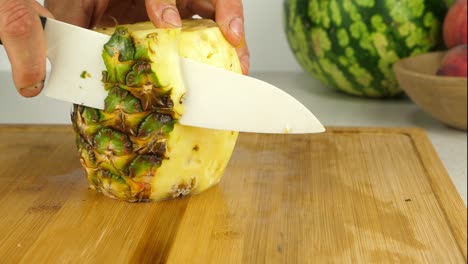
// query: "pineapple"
[[134, 149]]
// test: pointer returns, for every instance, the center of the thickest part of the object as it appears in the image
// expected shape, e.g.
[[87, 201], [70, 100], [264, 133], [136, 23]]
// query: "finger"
[[85, 13], [73, 12], [22, 35], [230, 18], [41, 10], [203, 8], [163, 13], [122, 12], [244, 57], [99, 8]]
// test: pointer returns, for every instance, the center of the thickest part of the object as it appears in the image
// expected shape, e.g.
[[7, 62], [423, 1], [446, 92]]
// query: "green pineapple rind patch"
[[126, 140]]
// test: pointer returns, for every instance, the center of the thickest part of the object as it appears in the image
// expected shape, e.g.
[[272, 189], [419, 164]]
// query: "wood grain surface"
[[350, 195]]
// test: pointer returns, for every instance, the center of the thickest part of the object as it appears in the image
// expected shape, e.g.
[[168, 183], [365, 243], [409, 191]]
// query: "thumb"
[[22, 35], [163, 13]]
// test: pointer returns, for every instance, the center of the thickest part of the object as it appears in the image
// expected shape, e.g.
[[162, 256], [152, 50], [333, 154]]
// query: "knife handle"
[[43, 22]]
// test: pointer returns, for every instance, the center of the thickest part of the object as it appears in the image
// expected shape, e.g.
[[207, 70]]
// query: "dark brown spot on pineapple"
[[184, 188], [145, 192], [130, 80], [142, 67], [166, 101], [196, 148], [165, 119], [182, 99]]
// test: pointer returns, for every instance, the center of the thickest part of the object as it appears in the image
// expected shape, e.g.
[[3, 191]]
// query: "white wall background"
[[265, 36]]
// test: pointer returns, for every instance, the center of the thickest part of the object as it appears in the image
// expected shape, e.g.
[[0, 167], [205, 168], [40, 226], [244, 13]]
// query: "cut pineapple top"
[[201, 40]]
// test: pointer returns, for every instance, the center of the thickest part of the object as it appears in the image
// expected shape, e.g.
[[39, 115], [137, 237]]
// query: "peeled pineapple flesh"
[[135, 150]]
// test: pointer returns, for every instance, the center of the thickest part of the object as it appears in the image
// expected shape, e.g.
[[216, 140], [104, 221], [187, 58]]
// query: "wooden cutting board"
[[345, 196]]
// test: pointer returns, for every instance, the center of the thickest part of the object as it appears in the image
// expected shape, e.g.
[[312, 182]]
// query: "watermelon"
[[449, 3], [352, 45]]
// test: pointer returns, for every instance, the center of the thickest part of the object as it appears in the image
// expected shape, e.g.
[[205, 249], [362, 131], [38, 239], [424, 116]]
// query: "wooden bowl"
[[444, 98]]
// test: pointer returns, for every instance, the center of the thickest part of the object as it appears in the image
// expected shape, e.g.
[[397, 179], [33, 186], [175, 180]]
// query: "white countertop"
[[330, 107]]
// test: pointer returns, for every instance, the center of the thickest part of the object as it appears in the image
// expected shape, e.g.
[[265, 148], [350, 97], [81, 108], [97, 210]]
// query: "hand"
[[229, 14], [23, 38]]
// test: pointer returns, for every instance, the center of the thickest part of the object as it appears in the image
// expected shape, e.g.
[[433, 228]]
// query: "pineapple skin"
[[135, 150]]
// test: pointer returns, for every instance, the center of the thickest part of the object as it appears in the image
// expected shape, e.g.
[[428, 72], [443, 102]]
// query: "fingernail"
[[237, 27], [245, 62], [37, 86], [171, 17]]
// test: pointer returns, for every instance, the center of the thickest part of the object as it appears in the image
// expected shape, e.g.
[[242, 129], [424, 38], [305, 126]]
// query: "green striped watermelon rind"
[[352, 45]]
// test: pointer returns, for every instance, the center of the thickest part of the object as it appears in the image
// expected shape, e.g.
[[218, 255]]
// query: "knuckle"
[[30, 67], [87, 6], [29, 73], [16, 18], [34, 72]]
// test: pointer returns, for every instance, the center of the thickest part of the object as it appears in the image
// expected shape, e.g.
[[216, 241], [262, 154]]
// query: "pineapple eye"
[[165, 119], [182, 99]]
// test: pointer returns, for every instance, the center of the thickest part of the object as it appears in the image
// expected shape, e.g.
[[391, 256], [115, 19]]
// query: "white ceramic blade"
[[76, 64], [215, 98], [220, 99]]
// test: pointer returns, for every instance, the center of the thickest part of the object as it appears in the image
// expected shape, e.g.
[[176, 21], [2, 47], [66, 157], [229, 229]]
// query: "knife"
[[242, 103]]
